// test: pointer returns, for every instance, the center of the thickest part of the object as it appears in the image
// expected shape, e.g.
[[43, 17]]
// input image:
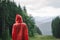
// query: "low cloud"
[[41, 8]]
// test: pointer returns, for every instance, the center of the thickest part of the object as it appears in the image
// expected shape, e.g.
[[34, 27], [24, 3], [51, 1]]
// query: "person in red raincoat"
[[19, 30]]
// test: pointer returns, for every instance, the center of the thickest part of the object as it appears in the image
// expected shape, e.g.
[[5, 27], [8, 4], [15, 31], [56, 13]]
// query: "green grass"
[[40, 37]]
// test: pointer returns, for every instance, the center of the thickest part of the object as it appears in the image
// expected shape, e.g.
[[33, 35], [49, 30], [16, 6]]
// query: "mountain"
[[44, 24]]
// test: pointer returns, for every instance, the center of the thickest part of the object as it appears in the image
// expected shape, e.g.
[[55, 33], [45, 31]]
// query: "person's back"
[[19, 30]]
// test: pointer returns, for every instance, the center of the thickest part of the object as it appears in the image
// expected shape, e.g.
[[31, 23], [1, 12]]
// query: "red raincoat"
[[19, 30]]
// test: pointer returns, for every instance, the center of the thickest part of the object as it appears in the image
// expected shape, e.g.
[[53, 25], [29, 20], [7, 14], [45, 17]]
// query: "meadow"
[[41, 37]]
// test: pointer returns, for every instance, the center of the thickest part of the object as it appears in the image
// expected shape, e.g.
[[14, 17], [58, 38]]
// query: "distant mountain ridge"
[[44, 24], [43, 19]]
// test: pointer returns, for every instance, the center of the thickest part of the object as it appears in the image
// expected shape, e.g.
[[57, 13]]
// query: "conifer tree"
[[56, 27]]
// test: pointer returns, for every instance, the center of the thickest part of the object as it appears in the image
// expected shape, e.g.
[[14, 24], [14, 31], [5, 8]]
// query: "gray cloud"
[[54, 3], [41, 7]]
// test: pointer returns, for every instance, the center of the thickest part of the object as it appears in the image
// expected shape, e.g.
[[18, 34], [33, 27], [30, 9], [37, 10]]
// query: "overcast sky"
[[42, 8]]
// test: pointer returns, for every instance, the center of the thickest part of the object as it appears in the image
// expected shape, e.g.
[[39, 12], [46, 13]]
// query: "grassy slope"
[[40, 37]]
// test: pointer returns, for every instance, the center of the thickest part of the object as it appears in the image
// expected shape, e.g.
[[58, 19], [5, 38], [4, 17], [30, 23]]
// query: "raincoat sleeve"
[[14, 32], [26, 37]]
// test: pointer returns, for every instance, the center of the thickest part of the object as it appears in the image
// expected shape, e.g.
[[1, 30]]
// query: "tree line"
[[8, 11]]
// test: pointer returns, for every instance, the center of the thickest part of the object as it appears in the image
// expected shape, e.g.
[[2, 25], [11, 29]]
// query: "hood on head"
[[18, 18]]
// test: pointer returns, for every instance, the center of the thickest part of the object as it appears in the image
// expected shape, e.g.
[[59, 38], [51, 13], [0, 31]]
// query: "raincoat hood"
[[18, 18]]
